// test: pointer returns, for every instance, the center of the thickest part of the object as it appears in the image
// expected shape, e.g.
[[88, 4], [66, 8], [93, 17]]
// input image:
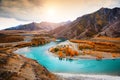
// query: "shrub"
[[60, 54], [76, 53], [56, 49]]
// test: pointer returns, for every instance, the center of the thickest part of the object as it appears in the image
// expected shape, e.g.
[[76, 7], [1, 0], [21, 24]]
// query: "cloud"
[[19, 9], [10, 22], [20, 3], [35, 10]]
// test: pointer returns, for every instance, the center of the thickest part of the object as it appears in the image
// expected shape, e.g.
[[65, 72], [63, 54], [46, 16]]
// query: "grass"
[[99, 47], [10, 38], [39, 40]]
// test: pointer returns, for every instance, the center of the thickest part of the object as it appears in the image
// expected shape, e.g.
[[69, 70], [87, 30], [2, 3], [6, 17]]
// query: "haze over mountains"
[[47, 26], [104, 22]]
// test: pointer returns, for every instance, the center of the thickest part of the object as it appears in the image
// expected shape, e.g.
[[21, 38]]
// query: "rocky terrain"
[[104, 20], [18, 67], [112, 30]]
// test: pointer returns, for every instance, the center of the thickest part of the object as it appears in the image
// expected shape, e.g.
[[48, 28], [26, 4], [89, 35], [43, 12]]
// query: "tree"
[[72, 53], [114, 55], [60, 54], [99, 57], [56, 49], [76, 53]]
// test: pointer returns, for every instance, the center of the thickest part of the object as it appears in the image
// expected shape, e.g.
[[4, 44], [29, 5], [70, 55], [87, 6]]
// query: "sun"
[[51, 12], [51, 15]]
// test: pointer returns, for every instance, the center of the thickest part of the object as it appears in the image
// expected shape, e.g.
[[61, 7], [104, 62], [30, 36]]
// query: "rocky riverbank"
[[18, 67]]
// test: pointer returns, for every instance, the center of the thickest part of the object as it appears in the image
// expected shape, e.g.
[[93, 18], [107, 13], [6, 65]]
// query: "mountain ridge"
[[47, 26], [86, 26], [89, 25]]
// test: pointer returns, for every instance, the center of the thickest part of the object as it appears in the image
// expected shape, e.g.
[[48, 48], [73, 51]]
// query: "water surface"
[[84, 66]]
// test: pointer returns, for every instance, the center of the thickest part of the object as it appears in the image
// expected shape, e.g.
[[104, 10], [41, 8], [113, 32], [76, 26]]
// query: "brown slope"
[[112, 31], [89, 25], [17, 67]]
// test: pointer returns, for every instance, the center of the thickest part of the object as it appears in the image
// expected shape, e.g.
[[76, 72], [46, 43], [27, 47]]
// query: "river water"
[[81, 66]]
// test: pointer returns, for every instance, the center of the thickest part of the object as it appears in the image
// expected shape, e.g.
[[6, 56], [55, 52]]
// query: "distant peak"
[[33, 23], [103, 8], [116, 8]]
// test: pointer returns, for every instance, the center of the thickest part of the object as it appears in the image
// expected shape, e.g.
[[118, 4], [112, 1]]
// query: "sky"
[[16, 12]]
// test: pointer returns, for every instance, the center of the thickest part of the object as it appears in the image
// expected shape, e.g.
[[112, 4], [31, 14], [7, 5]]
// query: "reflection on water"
[[66, 59]]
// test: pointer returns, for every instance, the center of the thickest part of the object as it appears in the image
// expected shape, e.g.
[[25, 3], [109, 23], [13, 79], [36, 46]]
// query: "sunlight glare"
[[51, 12]]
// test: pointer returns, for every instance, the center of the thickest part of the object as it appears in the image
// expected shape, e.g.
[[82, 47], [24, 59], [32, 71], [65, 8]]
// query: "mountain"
[[112, 31], [90, 25], [47, 26]]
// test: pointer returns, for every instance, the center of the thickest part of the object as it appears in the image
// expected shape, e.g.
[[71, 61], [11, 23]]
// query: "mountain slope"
[[112, 30], [37, 26], [89, 25]]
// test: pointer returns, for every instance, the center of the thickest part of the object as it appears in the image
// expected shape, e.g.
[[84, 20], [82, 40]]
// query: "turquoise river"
[[84, 66]]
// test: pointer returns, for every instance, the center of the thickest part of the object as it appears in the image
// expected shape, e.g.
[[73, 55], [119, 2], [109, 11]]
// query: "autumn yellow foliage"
[[99, 57], [114, 55], [76, 53], [60, 54]]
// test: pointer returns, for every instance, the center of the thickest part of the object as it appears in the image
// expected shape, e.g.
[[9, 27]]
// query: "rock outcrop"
[[17, 67], [113, 30]]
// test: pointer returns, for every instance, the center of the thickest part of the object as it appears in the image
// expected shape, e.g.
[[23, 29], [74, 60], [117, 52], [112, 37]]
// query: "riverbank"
[[14, 66], [68, 76], [96, 48], [10, 61]]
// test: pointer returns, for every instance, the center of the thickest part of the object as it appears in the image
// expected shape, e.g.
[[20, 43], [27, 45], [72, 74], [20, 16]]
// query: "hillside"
[[14, 66], [90, 25], [17, 67], [112, 31], [37, 26]]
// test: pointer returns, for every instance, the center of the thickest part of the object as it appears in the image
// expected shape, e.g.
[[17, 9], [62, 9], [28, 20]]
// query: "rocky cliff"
[[17, 67]]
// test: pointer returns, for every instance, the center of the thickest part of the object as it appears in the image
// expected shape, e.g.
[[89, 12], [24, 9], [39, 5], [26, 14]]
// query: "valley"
[[47, 50]]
